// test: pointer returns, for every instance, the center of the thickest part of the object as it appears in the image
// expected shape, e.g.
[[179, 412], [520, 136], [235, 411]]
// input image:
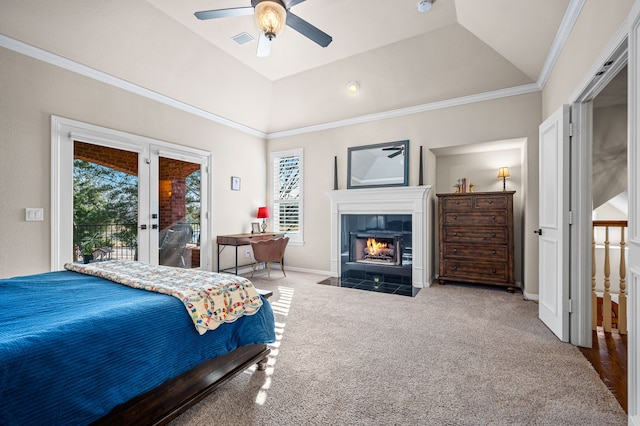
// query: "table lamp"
[[263, 213], [503, 173]]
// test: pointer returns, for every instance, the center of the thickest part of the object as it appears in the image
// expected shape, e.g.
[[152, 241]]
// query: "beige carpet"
[[452, 355]]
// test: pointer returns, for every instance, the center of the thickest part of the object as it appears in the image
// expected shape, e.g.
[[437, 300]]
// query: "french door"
[[153, 203]]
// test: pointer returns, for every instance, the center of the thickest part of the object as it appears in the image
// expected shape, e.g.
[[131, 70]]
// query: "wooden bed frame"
[[175, 396], [164, 403]]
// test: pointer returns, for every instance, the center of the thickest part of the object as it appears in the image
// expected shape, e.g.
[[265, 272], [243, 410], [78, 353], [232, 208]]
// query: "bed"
[[80, 349]]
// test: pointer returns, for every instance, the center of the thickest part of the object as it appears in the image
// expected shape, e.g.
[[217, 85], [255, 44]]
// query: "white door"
[[633, 286], [179, 199], [553, 228]]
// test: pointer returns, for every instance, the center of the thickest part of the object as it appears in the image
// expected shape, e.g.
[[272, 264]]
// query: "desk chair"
[[268, 251]]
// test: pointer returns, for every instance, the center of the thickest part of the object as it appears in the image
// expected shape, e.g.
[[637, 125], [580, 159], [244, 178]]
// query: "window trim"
[[295, 238]]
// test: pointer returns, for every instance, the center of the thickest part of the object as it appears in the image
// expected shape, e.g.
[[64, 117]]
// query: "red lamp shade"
[[263, 213]]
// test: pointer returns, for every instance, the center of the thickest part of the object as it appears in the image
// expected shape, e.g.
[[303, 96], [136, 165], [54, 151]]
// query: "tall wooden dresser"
[[476, 237]]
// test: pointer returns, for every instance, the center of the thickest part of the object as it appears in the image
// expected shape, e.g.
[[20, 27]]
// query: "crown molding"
[[566, 26], [448, 103], [59, 61]]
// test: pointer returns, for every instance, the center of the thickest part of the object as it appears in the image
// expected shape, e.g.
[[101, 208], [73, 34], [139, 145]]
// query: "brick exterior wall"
[[173, 174]]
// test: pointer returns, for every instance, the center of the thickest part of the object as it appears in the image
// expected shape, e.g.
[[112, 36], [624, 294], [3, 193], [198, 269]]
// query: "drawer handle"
[[455, 250], [457, 201], [493, 217], [455, 268], [490, 201], [455, 234], [493, 235], [455, 217], [494, 252], [493, 270]]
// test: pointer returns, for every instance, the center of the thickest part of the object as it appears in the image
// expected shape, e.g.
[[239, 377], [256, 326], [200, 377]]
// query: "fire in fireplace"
[[386, 250]]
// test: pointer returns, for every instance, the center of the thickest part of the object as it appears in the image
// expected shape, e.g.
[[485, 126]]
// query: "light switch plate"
[[34, 214]]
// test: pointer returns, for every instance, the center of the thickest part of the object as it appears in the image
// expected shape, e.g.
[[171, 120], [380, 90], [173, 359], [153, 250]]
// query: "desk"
[[238, 240]]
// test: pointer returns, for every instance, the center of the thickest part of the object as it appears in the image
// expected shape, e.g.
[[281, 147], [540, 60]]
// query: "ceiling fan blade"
[[392, 148], [224, 13], [395, 154], [288, 4], [264, 46], [308, 30]]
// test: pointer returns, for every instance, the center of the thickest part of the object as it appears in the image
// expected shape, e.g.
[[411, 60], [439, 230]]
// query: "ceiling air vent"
[[242, 38]]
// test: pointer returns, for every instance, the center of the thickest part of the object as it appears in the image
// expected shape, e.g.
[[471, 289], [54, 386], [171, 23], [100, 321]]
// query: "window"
[[287, 193]]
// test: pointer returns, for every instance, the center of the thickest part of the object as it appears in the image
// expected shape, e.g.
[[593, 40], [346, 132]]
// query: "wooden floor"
[[609, 358]]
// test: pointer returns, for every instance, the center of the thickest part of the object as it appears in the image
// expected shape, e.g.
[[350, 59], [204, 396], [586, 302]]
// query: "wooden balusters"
[[606, 299], [622, 298], [607, 311]]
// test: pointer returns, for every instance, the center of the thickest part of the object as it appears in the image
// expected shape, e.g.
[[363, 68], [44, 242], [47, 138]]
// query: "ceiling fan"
[[271, 17]]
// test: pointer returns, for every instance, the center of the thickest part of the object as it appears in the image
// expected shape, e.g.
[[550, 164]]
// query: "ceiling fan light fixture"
[[425, 5], [271, 18]]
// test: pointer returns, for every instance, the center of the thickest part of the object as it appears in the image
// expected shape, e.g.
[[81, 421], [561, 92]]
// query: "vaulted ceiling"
[[402, 58]]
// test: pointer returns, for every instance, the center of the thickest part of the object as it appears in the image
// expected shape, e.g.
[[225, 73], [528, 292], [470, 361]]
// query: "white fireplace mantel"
[[392, 200]]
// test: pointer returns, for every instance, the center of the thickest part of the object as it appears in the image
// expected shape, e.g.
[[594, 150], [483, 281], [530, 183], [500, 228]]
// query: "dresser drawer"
[[491, 202], [474, 218], [477, 271], [457, 203], [480, 252], [476, 235]]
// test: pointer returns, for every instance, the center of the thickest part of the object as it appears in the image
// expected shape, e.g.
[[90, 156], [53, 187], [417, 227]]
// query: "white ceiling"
[[402, 58], [520, 30]]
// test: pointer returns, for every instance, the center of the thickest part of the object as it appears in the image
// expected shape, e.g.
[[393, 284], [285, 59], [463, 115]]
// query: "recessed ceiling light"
[[425, 5], [353, 87]]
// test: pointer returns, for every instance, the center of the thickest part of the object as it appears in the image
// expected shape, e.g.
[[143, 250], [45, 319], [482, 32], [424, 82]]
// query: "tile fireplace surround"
[[393, 200]]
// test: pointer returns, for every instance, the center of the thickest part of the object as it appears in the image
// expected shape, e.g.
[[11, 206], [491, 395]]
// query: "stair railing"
[[607, 311]]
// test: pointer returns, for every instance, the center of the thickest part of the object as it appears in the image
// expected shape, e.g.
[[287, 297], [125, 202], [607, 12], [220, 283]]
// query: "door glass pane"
[[179, 213], [105, 203]]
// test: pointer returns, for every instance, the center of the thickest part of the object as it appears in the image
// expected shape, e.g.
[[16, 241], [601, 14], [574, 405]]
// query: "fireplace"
[[398, 216], [375, 249]]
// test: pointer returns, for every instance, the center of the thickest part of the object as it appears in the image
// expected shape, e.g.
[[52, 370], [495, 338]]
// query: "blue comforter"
[[74, 346]]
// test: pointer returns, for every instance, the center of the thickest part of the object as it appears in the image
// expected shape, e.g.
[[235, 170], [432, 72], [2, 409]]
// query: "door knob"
[[538, 231]]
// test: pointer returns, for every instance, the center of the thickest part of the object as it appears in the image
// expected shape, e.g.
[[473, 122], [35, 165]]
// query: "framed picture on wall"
[[235, 183]]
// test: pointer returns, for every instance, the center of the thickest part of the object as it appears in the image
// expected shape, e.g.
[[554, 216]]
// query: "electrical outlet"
[[247, 253]]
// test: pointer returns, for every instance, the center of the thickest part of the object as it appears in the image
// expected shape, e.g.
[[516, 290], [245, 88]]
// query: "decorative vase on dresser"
[[476, 237]]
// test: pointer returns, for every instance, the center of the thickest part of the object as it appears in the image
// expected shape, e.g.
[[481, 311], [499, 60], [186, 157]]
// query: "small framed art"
[[235, 183], [255, 227]]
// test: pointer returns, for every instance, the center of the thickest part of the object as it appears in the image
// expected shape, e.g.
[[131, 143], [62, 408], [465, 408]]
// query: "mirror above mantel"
[[379, 165]]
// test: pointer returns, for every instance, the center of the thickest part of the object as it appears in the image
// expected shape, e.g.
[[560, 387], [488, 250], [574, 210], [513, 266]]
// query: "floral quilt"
[[210, 298]]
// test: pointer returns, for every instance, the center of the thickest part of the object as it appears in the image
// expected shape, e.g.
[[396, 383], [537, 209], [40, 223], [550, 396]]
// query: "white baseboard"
[[530, 296], [309, 271]]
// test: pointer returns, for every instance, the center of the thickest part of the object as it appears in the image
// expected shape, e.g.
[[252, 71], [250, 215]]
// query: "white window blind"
[[287, 193]]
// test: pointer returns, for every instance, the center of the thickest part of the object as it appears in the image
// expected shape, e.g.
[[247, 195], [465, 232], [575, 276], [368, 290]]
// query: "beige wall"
[[597, 24], [508, 118], [32, 91]]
